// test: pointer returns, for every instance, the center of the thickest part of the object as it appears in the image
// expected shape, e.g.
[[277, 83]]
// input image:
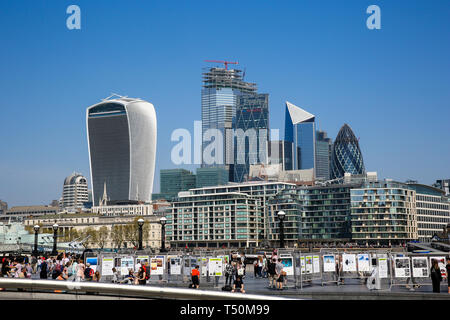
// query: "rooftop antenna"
[[226, 63], [114, 95]]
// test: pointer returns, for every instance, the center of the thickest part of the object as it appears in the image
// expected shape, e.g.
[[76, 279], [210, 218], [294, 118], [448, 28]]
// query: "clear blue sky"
[[390, 85]]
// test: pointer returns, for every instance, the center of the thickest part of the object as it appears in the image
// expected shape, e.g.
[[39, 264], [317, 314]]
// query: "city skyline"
[[382, 83]]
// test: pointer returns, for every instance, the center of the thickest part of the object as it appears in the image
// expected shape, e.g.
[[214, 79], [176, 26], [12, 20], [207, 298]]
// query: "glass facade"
[[207, 177], [384, 213], [300, 129], [176, 180], [346, 155], [323, 155], [252, 118]]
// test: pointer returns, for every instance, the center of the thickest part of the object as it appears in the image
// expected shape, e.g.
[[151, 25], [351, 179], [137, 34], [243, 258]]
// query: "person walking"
[[141, 276], [272, 273], [436, 276], [195, 274], [79, 271], [44, 271], [228, 273]]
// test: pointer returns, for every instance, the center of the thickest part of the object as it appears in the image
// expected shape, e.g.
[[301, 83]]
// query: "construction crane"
[[226, 63]]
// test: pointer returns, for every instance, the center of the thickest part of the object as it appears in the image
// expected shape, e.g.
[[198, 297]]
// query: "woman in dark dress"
[[436, 276]]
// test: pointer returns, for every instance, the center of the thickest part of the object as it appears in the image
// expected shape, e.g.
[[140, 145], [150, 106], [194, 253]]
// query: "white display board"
[[348, 262], [309, 264], [215, 267], [175, 265], [287, 262], [302, 263], [140, 261], [420, 267], [329, 263], [126, 263], [383, 267], [316, 264], [363, 262], [157, 265], [204, 266], [107, 265], [402, 267]]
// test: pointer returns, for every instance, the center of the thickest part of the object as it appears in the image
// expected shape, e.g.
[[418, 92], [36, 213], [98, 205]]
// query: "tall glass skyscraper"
[[300, 129], [346, 155], [220, 90], [122, 148], [323, 155], [252, 129]]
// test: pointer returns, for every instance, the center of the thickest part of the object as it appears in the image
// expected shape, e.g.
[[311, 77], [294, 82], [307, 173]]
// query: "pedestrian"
[[238, 285], [229, 273], [115, 278], [255, 268], [88, 272], [447, 267], [96, 277], [436, 276], [272, 273], [141, 276], [279, 274], [260, 266], [44, 271], [195, 274], [79, 271]]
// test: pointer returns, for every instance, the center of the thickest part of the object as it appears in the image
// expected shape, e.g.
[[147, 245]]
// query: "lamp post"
[[36, 232], [140, 224], [163, 221], [281, 215], [55, 234]]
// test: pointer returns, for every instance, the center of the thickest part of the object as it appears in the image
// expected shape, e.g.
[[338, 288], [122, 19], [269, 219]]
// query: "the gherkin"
[[347, 156]]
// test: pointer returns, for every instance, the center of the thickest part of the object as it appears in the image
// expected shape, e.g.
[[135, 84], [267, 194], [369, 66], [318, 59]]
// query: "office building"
[[3, 207], [346, 155], [220, 91], [212, 176], [281, 152], [433, 210], [122, 147], [251, 133], [75, 192], [384, 213], [300, 130], [176, 180], [323, 155]]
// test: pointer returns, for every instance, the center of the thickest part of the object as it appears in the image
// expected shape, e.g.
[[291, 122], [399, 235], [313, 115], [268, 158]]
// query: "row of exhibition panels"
[[326, 266]]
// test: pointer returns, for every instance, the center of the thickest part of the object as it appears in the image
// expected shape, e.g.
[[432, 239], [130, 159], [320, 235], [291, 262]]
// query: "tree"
[[117, 235], [89, 236], [132, 231], [102, 236], [71, 235]]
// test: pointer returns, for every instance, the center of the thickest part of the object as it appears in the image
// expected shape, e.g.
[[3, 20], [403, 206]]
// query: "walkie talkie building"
[[122, 149], [346, 155]]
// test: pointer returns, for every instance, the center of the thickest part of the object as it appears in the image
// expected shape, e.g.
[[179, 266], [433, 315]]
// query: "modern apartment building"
[[433, 210], [384, 212]]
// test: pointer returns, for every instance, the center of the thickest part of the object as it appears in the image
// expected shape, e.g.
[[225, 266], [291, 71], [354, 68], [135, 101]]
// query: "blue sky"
[[390, 85]]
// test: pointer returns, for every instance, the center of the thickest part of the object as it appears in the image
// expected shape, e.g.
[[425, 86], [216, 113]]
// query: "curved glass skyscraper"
[[122, 149], [346, 156]]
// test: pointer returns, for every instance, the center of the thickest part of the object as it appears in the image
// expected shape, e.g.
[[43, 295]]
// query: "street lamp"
[[281, 215], [36, 231], [140, 224], [55, 234], [163, 221]]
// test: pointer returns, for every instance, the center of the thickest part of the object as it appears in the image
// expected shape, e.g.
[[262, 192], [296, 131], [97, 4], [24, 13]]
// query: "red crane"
[[226, 63]]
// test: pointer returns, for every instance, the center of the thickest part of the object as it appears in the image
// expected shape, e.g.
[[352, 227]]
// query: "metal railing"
[[138, 291]]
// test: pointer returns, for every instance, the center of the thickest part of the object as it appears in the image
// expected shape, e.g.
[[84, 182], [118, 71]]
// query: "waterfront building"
[[19, 213], [346, 154], [141, 209], [433, 210], [300, 129], [122, 148], [75, 192], [214, 220], [384, 212]]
